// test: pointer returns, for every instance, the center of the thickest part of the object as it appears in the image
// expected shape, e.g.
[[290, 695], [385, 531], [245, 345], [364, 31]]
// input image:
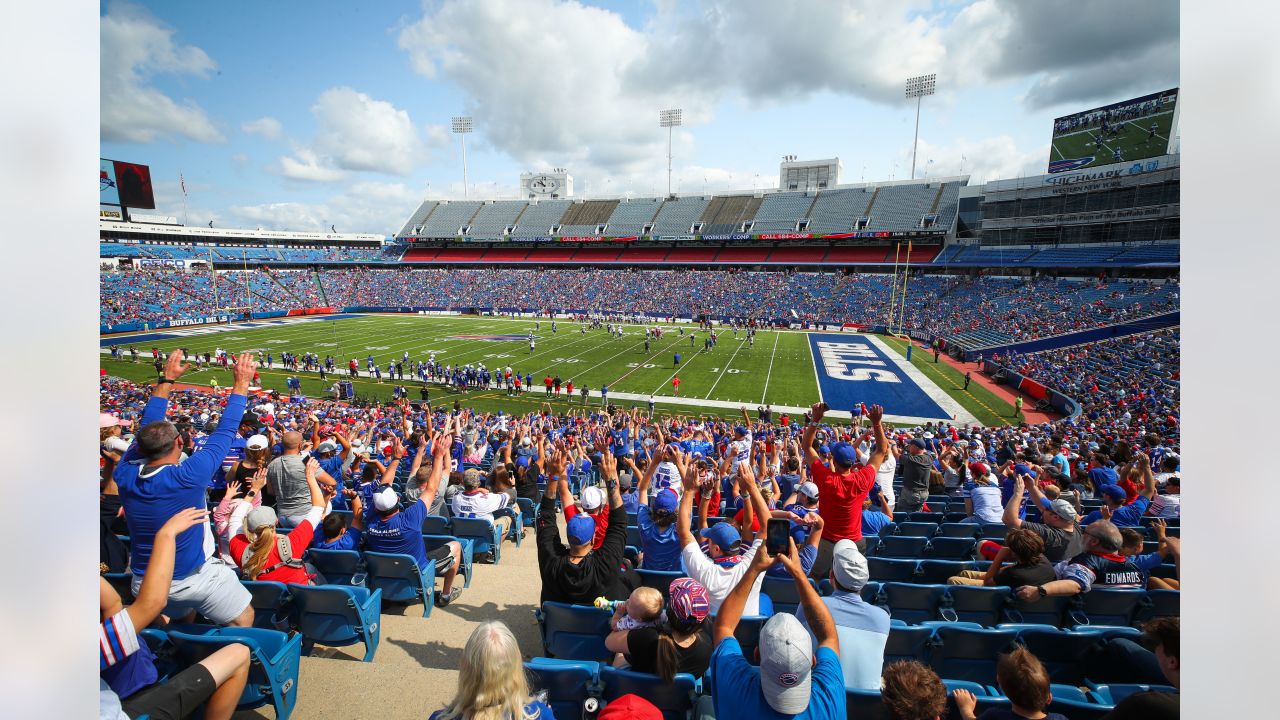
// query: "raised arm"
[[731, 609], [690, 482], [875, 413], [815, 611], [810, 433], [1010, 517], [1148, 490]]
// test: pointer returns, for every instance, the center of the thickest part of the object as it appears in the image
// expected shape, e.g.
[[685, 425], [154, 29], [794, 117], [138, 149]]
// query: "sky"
[[302, 116]]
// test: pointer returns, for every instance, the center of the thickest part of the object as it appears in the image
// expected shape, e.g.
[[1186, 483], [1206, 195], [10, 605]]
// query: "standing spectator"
[[287, 478], [863, 628], [913, 691], [916, 472], [720, 572], [793, 680], [491, 680], [843, 487], [153, 487], [1114, 498], [127, 685]]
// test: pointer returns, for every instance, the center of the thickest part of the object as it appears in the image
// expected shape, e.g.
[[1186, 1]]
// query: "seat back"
[[783, 593], [659, 580], [748, 635], [921, 529], [963, 653], [958, 530], [436, 525], [912, 603], [983, 605], [1164, 603], [339, 567], [574, 632], [994, 531], [273, 665], [1062, 652], [674, 699], [866, 704], [902, 546], [482, 534], [328, 614], [892, 569], [270, 601], [568, 683], [951, 548], [633, 536], [933, 572], [929, 517], [1050, 610], [399, 577], [528, 511], [1108, 606], [908, 643]]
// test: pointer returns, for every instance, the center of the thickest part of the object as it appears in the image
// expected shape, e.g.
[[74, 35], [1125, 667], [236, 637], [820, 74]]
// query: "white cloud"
[[982, 160], [267, 127], [364, 207], [135, 47], [307, 166]]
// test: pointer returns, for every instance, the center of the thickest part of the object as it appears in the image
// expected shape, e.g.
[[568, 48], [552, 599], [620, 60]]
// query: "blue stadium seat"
[[1063, 652], [865, 705], [959, 530], [921, 529], [938, 500], [633, 536], [483, 535], [994, 531], [950, 548], [892, 570], [902, 546], [339, 567], [1164, 603], [952, 516], [913, 603], [885, 531], [1073, 703], [928, 517], [783, 593], [528, 511], [674, 699], [273, 664], [869, 593], [936, 572], [337, 616], [908, 643], [574, 632], [983, 605], [962, 653], [401, 580], [1114, 693], [1107, 606], [270, 602], [568, 684], [1045, 611], [436, 525], [659, 580], [1109, 632]]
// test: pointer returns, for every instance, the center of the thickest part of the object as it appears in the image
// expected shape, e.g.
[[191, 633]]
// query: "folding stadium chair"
[[1063, 652], [528, 512], [274, 658], [568, 684], [958, 530], [1107, 606], [892, 570], [633, 519], [675, 700], [963, 653], [516, 532], [436, 525], [909, 642], [902, 546], [337, 616], [1073, 703], [951, 548], [401, 580], [983, 605], [483, 535], [913, 603], [936, 572], [435, 541], [574, 632], [929, 517], [339, 567], [659, 580], [942, 500], [783, 593], [917, 529], [994, 531], [270, 602]]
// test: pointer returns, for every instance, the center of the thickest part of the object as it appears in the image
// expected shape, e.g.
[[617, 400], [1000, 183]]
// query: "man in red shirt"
[[843, 486], [547, 382], [675, 384]]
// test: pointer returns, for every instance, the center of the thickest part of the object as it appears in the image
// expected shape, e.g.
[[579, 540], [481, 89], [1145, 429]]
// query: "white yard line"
[[769, 374], [725, 370]]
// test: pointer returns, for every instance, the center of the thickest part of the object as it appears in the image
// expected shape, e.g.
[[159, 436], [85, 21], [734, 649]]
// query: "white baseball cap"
[[592, 498], [256, 442], [385, 499], [786, 664]]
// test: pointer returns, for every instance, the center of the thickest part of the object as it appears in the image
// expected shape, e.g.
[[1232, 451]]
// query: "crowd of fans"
[[938, 305], [705, 495], [232, 252]]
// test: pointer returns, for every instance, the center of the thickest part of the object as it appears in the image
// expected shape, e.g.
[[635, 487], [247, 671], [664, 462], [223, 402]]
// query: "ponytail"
[[666, 659], [261, 543]]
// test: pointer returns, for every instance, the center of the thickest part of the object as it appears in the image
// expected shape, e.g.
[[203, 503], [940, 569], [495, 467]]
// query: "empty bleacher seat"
[[574, 632], [962, 653], [338, 616]]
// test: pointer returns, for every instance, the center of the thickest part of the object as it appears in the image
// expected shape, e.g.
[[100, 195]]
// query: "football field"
[[789, 370], [1133, 141]]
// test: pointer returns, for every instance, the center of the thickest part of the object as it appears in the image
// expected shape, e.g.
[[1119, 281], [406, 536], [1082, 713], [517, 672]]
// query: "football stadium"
[[905, 447]]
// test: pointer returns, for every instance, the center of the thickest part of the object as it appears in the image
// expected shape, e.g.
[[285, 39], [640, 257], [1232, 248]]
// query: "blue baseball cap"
[[1024, 469], [740, 430], [1113, 492], [844, 454], [724, 535], [666, 499], [581, 529]]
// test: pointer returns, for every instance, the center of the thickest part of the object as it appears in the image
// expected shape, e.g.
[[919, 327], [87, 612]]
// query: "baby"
[[645, 608]]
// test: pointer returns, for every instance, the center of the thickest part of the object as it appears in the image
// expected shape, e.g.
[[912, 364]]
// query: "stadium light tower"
[[670, 119], [918, 87], [462, 126]]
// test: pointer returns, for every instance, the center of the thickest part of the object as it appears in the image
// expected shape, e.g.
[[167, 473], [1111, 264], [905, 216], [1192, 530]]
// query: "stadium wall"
[[1063, 404]]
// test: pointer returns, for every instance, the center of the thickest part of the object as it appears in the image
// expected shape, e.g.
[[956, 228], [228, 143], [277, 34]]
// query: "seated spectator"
[[642, 609], [1022, 678], [793, 679], [1168, 504], [913, 691], [1025, 550], [263, 554], [982, 496], [579, 573], [722, 566], [678, 644], [1163, 635], [874, 519], [491, 680], [154, 486], [477, 502], [1133, 545], [1114, 500], [127, 686], [1100, 565], [1062, 537], [863, 628], [335, 534]]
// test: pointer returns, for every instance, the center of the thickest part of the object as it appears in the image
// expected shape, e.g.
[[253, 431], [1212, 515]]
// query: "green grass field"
[[1132, 142], [778, 370]]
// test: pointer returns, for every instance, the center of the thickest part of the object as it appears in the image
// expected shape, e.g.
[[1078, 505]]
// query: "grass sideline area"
[[778, 369]]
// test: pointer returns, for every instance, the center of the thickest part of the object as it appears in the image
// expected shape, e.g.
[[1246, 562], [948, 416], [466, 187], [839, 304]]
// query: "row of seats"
[[1071, 255], [878, 254]]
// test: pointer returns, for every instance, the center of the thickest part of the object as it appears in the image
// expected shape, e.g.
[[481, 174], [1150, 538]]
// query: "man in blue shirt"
[[793, 681], [393, 531], [863, 628], [154, 488], [1115, 510]]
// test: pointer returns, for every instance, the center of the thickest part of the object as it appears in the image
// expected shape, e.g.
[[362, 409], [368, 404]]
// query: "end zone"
[[854, 369]]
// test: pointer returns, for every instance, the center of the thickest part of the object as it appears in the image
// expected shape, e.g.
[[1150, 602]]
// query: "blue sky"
[[301, 115]]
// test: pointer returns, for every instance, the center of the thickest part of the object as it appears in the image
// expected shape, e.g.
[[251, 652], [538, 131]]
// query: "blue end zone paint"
[[851, 370], [125, 341]]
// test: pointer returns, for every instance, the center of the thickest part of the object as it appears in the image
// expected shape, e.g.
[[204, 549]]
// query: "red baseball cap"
[[630, 707]]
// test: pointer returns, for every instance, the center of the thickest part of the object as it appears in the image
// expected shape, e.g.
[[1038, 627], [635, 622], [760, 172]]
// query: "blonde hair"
[[650, 600], [491, 680], [261, 543], [259, 458], [106, 432]]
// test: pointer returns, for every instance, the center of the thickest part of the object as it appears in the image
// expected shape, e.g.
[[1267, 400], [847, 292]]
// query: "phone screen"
[[777, 534]]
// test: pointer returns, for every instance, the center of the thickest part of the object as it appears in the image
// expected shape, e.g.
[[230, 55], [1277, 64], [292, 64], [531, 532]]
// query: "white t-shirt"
[[720, 581], [667, 476], [479, 505], [1167, 506], [741, 449], [884, 476]]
